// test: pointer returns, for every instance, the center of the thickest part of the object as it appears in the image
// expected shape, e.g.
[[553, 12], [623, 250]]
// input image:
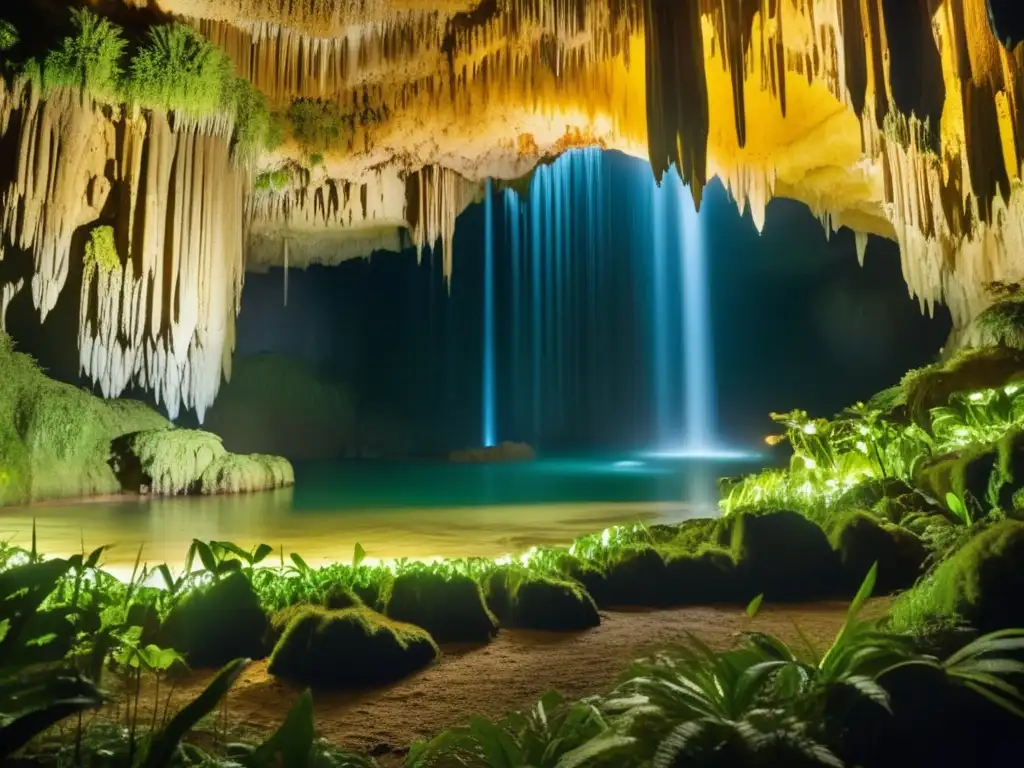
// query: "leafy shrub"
[[101, 252], [179, 70], [217, 623], [319, 125], [90, 58], [256, 130], [1001, 324], [9, 36], [784, 556], [862, 541], [355, 646], [451, 608], [980, 585]]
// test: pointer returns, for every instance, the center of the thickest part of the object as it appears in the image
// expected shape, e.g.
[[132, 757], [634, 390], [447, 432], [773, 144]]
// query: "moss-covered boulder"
[[451, 609], [352, 647], [166, 461], [235, 473], [702, 579], [981, 585], [55, 438], [217, 623], [339, 598], [690, 536], [862, 541], [525, 599], [784, 556], [592, 578], [636, 576]]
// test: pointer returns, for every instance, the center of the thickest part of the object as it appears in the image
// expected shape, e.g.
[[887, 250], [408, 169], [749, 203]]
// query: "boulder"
[[217, 623], [351, 647], [862, 541], [521, 598], [452, 609]]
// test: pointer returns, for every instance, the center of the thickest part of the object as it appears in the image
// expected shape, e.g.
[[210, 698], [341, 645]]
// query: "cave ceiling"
[[895, 118]]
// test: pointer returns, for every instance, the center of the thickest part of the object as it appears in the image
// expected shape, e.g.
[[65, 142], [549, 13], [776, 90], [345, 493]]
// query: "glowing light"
[[700, 367], [807, 489], [712, 454], [489, 416], [606, 537], [810, 429], [976, 396], [864, 430], [809, 462], [1011, 389], [862, 446], [628, 464]]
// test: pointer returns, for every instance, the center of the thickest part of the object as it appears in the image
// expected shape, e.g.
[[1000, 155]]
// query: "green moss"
[[523, 598], [980, 585], [256, 130], [784, 556], [235, 473], [355, 646], [55, 439], [214, 624], [1002, 324], [90, 58], [273, 181], [862, 541], [9, 36], [167, 461], [450, 609], [179, 70], [101, 252], [320, 125]]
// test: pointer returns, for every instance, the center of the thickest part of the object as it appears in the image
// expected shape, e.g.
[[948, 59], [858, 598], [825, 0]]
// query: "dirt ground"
[[510, 673]]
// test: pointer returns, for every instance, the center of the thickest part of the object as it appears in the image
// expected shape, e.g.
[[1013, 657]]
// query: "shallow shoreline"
[[510, 673]]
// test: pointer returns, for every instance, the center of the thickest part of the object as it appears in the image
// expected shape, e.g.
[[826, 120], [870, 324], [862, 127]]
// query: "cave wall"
[[817, 100]]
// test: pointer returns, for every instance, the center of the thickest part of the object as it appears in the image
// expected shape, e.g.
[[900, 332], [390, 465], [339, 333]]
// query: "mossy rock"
[[352, 647], [862, 541], [636, 576], [593, 579], [868, 493], [520, 598], [165, 461], [785, 557], [980, 585], [217, 623], [236, 473], [452, 609], [706, 578]]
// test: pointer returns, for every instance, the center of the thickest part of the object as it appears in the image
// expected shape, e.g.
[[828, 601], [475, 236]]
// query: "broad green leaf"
[[358, 556], [755, 605], [601, 746], [263, 551], [292, 743]]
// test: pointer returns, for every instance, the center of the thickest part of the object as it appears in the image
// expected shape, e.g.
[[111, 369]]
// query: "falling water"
[[699, 363], [489, 394]]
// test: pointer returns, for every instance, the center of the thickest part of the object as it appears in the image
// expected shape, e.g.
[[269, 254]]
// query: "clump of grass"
[[179, 70], [9, 36], [101, 252], [451, 607], [319, 125], [89, 59]]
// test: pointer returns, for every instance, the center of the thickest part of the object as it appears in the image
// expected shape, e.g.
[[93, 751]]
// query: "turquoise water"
[[424, 510]]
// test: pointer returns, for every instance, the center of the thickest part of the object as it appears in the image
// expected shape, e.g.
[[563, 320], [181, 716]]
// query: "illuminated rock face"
[[898, 118]]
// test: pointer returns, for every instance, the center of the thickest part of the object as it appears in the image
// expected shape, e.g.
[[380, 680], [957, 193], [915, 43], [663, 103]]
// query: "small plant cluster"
[[174, 69], [101, 252]]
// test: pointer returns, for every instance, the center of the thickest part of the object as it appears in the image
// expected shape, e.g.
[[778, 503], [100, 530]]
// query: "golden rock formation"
[[895, 118]]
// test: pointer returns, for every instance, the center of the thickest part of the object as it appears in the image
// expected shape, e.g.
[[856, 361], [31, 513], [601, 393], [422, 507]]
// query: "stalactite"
[[7, 293], [440, 195]]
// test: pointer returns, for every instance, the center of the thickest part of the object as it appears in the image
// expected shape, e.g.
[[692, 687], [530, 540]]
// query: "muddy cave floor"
[[509, 673]]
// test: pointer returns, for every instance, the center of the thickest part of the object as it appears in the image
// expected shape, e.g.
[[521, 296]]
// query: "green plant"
[[179, 70], [89, 59], [101, 252], [554, 734], [1001, 324], [9, 36], [319, 125]]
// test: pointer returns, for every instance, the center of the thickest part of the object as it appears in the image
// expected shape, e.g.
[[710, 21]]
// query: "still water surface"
[[422, 510]]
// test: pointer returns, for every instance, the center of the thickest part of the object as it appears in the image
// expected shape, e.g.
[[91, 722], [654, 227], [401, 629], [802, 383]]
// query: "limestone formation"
[[896, 119]]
